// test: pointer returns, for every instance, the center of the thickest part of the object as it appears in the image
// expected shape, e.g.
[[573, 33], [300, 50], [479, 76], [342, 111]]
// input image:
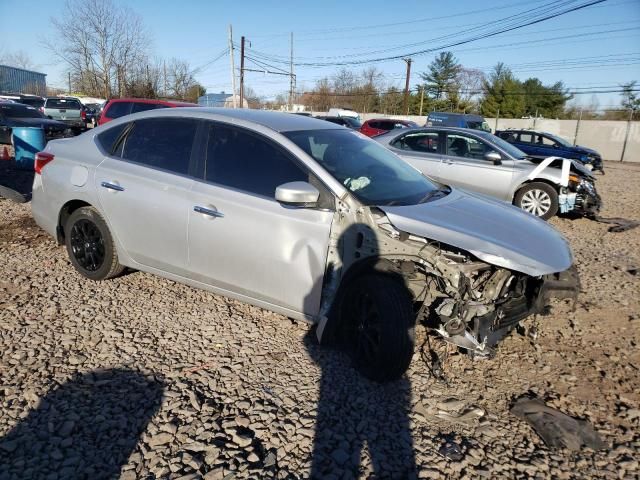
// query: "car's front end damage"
[[469, 285], [577, 188]]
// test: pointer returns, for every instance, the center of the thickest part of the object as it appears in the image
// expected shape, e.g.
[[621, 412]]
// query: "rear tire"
[[90, 245], [539, 199], [378, 313]]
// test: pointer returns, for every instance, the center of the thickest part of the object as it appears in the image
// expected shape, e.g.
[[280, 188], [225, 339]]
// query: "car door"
[[422, 150], [528, 144], [240, 238], [464, 165], [143, 188], [548, 147]]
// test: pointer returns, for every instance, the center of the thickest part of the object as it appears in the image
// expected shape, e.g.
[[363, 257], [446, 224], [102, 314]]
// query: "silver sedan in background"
[[301, 217], [481, 162]]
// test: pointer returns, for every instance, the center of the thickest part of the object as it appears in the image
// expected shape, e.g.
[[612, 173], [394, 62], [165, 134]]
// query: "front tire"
[[539, 199], [379, 316], [90, 245]]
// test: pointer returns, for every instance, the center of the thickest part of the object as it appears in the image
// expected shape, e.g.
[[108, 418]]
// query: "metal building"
[[19, 80]]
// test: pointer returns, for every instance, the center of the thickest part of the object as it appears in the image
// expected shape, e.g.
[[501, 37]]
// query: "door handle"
[[112, 186], [208, 211], [447, 161]]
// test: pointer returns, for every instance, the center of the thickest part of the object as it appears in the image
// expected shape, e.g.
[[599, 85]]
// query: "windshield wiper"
[[444, 191]]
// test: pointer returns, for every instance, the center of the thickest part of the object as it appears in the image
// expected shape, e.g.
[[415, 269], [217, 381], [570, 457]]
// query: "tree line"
[[106, 49], [447, 85]]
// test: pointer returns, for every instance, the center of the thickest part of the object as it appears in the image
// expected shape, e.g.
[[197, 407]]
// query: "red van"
[[119, 107]]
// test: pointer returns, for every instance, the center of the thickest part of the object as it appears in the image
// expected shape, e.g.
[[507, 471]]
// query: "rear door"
[[422, 149], [144, 189], [527, 143], [240, 238], [464, 165]]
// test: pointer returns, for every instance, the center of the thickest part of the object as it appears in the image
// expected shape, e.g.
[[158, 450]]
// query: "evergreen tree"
[[544, 101], [441, 81], [503, 95]]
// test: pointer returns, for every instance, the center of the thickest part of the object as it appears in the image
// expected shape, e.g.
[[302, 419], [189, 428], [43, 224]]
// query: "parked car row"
[[309, 219]]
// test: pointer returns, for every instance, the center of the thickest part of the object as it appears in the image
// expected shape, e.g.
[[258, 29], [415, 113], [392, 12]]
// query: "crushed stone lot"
[[141, 377]]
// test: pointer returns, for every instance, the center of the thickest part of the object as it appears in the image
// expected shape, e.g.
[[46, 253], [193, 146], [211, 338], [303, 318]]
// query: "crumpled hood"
[[493, 231]]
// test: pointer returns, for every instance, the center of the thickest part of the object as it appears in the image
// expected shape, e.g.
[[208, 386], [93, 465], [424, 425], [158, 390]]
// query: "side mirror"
[[493, 157], [297, 194]]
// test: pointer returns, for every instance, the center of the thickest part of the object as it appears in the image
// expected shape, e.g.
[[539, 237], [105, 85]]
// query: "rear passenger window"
[[118, 109], [108, 138], [244, 161], [426, 142], [526, 137], [164, 143]]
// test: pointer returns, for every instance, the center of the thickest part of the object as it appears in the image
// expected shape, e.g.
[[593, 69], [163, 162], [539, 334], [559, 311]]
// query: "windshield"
[[352, 122], [371, 172], [559, 140], [478, 125], [15, 110]]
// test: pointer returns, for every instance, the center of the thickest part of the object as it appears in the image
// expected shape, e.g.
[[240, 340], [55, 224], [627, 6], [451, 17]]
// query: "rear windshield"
[[69, 104], [15, 110]]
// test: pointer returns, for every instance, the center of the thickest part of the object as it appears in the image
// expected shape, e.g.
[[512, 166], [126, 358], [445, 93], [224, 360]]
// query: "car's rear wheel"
[[90, 245], [379, 317], [538, 199]]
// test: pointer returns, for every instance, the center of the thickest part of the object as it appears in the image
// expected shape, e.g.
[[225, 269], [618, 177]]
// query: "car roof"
[[277, 121], [157, 101]]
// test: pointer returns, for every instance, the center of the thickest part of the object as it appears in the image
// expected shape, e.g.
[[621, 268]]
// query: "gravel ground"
[[140, 377]]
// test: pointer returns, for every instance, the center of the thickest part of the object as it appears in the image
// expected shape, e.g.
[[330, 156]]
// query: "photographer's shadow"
[[354, 412], [85, 428]]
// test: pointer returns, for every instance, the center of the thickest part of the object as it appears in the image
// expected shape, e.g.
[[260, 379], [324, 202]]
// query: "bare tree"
[[99, 41], [19, 59]]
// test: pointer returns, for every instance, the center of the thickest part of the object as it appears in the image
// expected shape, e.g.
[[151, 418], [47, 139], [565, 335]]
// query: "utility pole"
[[69, 83], [233, 69], [626, 134], [292, 80], [242, 72], [164, 76], [575, 135], [406, 86], [421, 98]]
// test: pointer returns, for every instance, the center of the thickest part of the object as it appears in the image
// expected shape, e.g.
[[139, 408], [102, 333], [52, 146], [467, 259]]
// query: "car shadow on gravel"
[[86, 427], [15, 184]]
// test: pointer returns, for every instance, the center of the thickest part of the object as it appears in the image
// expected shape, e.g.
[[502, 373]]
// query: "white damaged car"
[[478, 161]]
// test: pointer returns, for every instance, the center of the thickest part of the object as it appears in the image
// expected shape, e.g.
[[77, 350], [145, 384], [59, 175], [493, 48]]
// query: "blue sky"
[[197, 31]]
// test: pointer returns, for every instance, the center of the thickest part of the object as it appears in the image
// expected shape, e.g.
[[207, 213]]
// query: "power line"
[[513, 22]]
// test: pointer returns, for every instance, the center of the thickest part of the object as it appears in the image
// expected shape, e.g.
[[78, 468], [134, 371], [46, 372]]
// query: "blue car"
[[541, 145]]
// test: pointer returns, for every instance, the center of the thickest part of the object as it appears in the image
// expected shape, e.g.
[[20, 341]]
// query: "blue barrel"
[[27, 141]]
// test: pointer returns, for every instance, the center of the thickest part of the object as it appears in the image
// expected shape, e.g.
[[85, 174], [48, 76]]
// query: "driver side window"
[[547, 142], [466, 147]]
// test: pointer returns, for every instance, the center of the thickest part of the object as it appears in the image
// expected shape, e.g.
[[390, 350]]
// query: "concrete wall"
[[607, 137]]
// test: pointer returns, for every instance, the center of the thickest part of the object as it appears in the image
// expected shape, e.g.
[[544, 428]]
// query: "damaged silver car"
[[481, 162], [304, 218]]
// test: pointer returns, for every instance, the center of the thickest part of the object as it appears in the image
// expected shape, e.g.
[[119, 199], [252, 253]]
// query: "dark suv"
[[542, 145]]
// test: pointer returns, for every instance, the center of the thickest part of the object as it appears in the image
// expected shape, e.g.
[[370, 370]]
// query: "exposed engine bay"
[[468, 302]]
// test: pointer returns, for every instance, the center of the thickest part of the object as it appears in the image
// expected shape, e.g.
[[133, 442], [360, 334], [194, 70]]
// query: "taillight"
[[42, 158], [41, 109], [83, 114]]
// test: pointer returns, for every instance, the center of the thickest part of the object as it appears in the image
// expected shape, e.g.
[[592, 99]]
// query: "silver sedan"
[[301, 217], [481, 162]]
